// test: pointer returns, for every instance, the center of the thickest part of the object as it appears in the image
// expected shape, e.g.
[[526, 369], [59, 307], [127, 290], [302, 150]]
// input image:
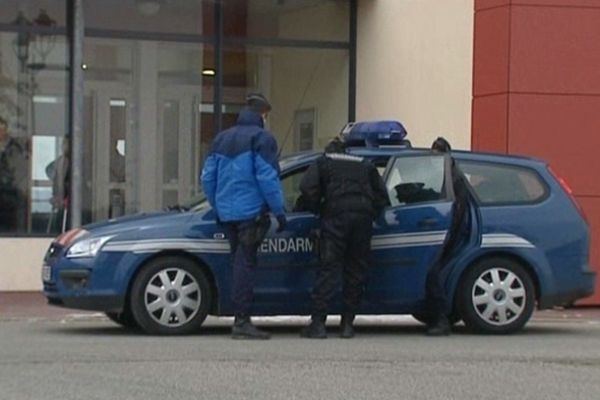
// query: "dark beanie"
[[258, 102]]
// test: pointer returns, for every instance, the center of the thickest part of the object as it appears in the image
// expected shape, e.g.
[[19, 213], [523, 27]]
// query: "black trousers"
[[436, 301], [245, 238], [345, 246]]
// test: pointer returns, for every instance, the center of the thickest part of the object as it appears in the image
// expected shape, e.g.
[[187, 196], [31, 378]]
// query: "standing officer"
[[13, 175], [435, 295], [241, 181], [348, 193]]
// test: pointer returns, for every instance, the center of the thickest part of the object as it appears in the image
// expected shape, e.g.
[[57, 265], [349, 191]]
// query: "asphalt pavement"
[[58, 354]]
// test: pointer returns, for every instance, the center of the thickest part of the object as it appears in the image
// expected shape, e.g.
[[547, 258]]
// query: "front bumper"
[[90, 303], [84, 283]]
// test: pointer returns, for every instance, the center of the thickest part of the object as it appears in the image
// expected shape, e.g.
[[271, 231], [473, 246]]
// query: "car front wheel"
[[125, 319], [170, 296], [496, 295]]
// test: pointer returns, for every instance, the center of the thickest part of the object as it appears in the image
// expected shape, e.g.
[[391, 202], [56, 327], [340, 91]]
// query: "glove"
[[281, 222]]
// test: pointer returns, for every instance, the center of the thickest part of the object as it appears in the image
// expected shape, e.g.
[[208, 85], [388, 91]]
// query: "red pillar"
[[536, 91]]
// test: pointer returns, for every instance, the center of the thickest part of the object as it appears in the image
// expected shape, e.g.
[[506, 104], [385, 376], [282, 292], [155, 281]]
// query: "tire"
[[496, 296], [170, 296], [125, 319]]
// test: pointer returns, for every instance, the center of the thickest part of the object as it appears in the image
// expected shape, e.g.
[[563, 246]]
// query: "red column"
[[536, 91]]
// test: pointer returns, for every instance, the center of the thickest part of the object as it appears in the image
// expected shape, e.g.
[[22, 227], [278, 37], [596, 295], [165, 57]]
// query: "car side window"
[[290, 183], [503, 184], [416, 180]]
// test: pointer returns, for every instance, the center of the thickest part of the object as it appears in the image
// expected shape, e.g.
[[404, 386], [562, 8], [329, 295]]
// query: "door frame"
[[101, 93]]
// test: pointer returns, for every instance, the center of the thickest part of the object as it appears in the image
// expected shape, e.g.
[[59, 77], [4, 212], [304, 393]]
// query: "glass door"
[[111, 170]]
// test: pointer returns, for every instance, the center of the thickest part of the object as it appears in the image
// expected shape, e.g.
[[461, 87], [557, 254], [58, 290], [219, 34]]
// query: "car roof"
[[388, 151]]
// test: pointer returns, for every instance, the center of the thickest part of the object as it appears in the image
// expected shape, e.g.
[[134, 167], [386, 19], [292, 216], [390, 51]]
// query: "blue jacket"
[[241, 174]]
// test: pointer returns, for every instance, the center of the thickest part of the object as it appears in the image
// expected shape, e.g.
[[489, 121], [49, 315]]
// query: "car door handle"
[[427, 222]]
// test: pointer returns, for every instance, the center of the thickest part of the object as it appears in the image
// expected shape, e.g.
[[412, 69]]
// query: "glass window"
[[288, 19], [33, 121], [497, 183], [193, 17], [290, 185], [416, 180], [148, 123], [49, 13], [308, 89]]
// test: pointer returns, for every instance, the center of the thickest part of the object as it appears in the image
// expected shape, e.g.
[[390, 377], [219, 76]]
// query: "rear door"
[[411, 231]]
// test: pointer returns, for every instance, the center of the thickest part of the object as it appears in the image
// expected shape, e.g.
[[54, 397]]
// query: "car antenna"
[[310, 81]]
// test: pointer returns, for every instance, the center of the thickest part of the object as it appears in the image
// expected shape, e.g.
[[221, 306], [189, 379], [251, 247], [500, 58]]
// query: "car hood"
[[136, 222]]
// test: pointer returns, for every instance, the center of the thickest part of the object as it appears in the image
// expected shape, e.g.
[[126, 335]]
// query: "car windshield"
[[199, 201]]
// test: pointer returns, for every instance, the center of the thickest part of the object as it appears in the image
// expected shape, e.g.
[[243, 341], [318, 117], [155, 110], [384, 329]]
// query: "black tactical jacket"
[[337, 182]]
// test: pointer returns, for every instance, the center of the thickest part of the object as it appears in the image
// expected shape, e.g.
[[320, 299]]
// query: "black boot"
[[243, 329], [346, 326], [440, 327], [316, 329]]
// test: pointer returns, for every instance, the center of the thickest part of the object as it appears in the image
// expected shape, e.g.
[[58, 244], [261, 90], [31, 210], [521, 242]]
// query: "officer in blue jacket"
[[241, 180]]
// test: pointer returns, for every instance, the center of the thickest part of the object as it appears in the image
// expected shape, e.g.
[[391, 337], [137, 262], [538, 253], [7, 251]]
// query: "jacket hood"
[[249, 117]]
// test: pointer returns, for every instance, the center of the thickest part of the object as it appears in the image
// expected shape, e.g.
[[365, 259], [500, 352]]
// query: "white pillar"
[[147, 135]]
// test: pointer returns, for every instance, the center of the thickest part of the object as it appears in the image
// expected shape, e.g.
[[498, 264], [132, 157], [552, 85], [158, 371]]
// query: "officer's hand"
[[281, 222]]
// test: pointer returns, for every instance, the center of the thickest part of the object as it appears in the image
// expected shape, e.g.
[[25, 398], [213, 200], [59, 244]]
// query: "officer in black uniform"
[[435, 296], [348, 194]]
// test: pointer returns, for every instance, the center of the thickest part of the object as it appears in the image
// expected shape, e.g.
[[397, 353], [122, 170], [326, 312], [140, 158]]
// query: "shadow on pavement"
[[293, 330]]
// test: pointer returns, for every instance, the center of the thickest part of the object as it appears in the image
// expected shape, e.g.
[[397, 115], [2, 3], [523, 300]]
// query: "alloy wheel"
[[498, 296], [172, 297]]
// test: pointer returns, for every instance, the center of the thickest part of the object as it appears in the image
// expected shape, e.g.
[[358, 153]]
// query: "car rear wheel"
[[496, 295], [170, 296]]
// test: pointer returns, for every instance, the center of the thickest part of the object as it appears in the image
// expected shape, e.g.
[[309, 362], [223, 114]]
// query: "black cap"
[[258, 102]]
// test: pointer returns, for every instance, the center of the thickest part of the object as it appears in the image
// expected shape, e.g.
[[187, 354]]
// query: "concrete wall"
[[21, 263], [414, 64], [321, 76]]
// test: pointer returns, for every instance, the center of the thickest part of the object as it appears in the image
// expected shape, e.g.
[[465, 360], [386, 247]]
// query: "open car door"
[[411, 231]]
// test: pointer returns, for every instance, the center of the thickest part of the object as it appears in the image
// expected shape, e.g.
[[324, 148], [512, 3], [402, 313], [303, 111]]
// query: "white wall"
[[321, 76], [21, 263], [414, 64]]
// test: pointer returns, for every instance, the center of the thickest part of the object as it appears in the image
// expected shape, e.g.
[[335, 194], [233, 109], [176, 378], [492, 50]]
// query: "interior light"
[[45, 99], [208, 72], [117, 103], [149, 7], [84, 66]]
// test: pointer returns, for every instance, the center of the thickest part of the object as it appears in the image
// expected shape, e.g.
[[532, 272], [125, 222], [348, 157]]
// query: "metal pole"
[[76, 95], [218, 81], [352, 73]]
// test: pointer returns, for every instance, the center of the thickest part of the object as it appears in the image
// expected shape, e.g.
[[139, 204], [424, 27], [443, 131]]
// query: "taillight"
[[569, 191]]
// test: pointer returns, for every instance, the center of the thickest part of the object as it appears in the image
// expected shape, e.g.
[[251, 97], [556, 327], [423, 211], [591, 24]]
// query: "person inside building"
[[241, 181], [436, 302], [13, 175], [58, 172], [347, 193]]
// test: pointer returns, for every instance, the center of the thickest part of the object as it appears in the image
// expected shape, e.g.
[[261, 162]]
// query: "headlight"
[[87, 247]]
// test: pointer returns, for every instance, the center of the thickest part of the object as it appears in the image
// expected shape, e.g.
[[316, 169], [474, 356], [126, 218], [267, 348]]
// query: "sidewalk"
[[33, 305]]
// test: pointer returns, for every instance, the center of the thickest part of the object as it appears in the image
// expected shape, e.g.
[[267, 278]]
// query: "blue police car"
[[525, 243]]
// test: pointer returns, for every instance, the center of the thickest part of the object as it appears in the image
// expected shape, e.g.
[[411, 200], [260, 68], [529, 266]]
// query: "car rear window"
[[496, 184]]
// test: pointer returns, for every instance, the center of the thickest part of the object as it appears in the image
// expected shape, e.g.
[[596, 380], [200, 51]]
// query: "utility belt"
[[253, 231]]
